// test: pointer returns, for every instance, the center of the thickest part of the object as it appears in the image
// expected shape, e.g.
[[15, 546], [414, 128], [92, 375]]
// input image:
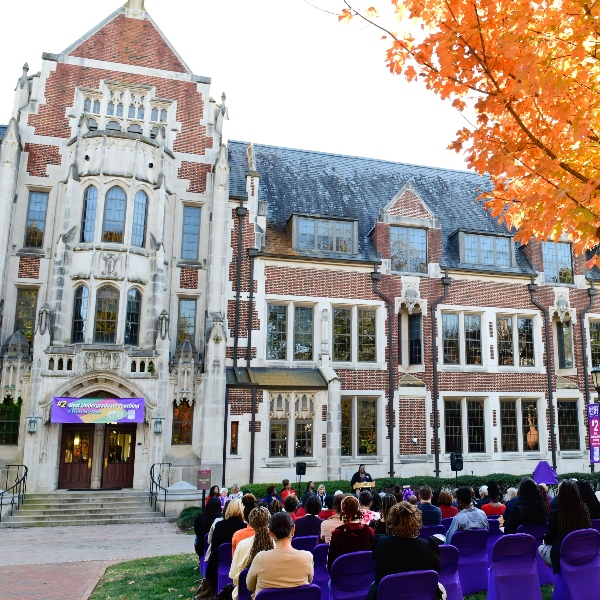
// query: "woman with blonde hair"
[[403, 550], [247, 549], [352, 535]]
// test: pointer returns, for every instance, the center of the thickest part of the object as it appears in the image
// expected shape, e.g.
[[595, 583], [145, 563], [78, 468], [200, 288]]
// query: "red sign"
[[203, 482]]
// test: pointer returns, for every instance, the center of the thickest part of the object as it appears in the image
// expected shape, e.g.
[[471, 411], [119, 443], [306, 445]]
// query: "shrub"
[[187, 516]]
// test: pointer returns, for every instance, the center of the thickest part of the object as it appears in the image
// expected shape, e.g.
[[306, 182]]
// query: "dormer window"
[[408, 249], [487, 250], [315, 234]]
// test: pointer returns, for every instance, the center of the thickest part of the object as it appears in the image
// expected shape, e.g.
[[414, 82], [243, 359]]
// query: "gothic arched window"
[[132, 323], [140, 213], [114, 215], [88, 218], [107, 309], [182, 423], [80, 313]]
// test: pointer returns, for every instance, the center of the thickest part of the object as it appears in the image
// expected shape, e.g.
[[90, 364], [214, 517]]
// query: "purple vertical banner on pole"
[[593, 411]]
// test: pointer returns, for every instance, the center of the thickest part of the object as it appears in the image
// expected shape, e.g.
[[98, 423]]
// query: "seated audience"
[[328, 525], [376, 501], [283, 567], [223, 533], [413, 499], [249, 503], [530, 508], [403, 550], [212, 529], [589, 498], [366, 500], [445, 505], [275, 506], [572, 514], [290, 504], [511, 499], [398, 493], [310, 524], [380, 526], [469, 516], [547, 497], [431, 515], [271, 493], [328, 510], [287, 489], [247, 549], [494, 506], [483, 496], [308, 492], [236, 493], [352, 535], [321, 495], [224, 493], [203, 522]]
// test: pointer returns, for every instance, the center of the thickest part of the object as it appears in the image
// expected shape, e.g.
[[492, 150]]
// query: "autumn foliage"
[[531, 72]]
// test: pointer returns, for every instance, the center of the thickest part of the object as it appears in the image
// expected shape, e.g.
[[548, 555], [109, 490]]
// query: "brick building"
[[262, 305]]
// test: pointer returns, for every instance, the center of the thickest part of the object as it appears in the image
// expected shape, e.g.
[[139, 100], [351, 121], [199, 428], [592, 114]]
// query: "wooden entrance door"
[[76, 449], [119, 455]]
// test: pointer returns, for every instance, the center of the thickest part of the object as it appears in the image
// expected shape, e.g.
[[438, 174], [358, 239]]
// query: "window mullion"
[[516, 354], [464, 425], [461, 338], [290, 332], [354, 334], [519, 411]]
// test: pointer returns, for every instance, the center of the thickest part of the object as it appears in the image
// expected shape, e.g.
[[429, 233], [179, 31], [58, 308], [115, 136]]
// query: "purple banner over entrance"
[[593, 411], [97, 410]]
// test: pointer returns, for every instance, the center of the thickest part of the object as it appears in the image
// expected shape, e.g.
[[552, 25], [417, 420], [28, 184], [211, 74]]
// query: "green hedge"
[[187, 516]]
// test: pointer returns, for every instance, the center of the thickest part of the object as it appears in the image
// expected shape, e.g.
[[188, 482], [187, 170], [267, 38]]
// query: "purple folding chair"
[[306, 542], [494, 534], [596, 524], [579, 574], [407, 586], [545, 574], [202, 561], [449, 572], [223, 565], [351, 576], [321, 574], [243, 592], [493, 517], [303, 592], [513, 573], [446, 523], [428, 530], [472, 564]]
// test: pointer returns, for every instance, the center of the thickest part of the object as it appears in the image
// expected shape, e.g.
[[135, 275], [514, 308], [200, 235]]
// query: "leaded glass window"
[[25, 315], [508, 426], [408, 249], [342, 334], [306, 234], [531, 441], [80, 314], [107, 309], [303, 333], [343, 236], [325, 235], [486, 250], [415, 335], [114, 215], [473, 339], [451, 345], [476, 426], [88, 220], [558, 262], [304, 438], [346, 426], [277, 332], [10, 417], [140, 212], [191, 232], [235, 428], [565, 345], [367, 427], [278, 439], [186, 322], [526, 350], [568, 425], [182, 423], [595, 343], [453, 425], [367, 346], [504, 327], [36, 219], [132, 323]]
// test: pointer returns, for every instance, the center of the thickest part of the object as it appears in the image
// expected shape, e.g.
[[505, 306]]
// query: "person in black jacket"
[[589, 498], [572, 514], [203, 522], [403, 551], [360, 476], [222, 534], [530, 508]]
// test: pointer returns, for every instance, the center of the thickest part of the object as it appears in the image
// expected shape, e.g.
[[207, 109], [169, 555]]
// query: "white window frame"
[[462, 339], [354, 333], [518, 401], [582, 425], [512, 260], [589, 319], [381, 428], [295, 235], [404, 349], [464, 424], [290, 341], [515, 340], [563, 370]]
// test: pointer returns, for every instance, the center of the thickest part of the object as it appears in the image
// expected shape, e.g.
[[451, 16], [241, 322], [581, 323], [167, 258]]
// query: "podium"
[[363, 485]]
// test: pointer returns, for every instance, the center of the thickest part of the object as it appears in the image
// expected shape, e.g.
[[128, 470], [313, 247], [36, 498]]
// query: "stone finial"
[[135, 8]]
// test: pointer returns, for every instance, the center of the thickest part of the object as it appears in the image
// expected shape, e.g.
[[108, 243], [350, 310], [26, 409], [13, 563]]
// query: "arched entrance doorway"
[[97, 455]]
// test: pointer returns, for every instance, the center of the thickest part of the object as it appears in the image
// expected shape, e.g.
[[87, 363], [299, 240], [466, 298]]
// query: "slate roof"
[[3, 129], [302, 181]]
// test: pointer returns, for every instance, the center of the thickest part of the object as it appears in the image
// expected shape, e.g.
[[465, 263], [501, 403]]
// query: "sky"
[[294, 76]]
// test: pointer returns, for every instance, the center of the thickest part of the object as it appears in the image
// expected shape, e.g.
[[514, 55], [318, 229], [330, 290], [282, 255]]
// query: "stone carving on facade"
[[16, 367], [411, 296], [325, 331], [304, 406], [102, 360], [217, 332], [110, 260], [163, 324], [279, 405], [562, 305], [43, 322], [185, 373], [69, 235]]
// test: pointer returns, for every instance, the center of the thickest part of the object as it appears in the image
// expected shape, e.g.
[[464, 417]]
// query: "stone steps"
[[96, 507]]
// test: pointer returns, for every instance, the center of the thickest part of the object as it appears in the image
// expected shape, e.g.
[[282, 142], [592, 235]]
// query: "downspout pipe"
[[375, 277], [252, 253], [225, 438], [240, 211], [446, 282], [591, 293], [532, 289]]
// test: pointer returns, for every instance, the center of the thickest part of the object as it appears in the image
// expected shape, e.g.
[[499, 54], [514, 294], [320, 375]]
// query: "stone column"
[[97, 456], [334, 424]]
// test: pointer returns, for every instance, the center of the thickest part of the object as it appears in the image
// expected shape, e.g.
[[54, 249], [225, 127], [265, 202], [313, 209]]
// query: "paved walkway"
[[28, 556]]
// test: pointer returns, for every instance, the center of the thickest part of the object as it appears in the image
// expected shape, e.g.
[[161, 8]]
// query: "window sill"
[[108, 247], [567, 285], [463, 368], [411, 369], [137, 250], [189, 264], [33, 252], [572, 454], [521, 455], [361, 460], [566, 372], [533, 369], [278, 463], [475, 457], [409, 274], [359, 366]]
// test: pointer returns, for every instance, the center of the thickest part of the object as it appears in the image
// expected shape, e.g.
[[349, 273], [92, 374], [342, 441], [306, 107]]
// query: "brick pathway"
[[28, 557]]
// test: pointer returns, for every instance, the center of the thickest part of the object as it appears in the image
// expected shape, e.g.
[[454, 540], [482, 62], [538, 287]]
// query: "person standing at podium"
[[360, 476]]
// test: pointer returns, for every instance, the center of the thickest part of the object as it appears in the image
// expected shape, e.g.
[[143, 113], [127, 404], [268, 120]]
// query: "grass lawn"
[[173, 578], [159, 578]]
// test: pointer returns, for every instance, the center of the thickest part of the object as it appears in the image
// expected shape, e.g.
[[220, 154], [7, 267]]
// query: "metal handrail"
[[156, 487], [18, 489]]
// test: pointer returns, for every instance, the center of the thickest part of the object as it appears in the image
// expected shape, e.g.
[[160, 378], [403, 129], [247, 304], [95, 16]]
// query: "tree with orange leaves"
[[531, 72]]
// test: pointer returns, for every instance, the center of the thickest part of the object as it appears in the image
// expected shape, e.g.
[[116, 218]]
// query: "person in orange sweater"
[[249, 503]]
